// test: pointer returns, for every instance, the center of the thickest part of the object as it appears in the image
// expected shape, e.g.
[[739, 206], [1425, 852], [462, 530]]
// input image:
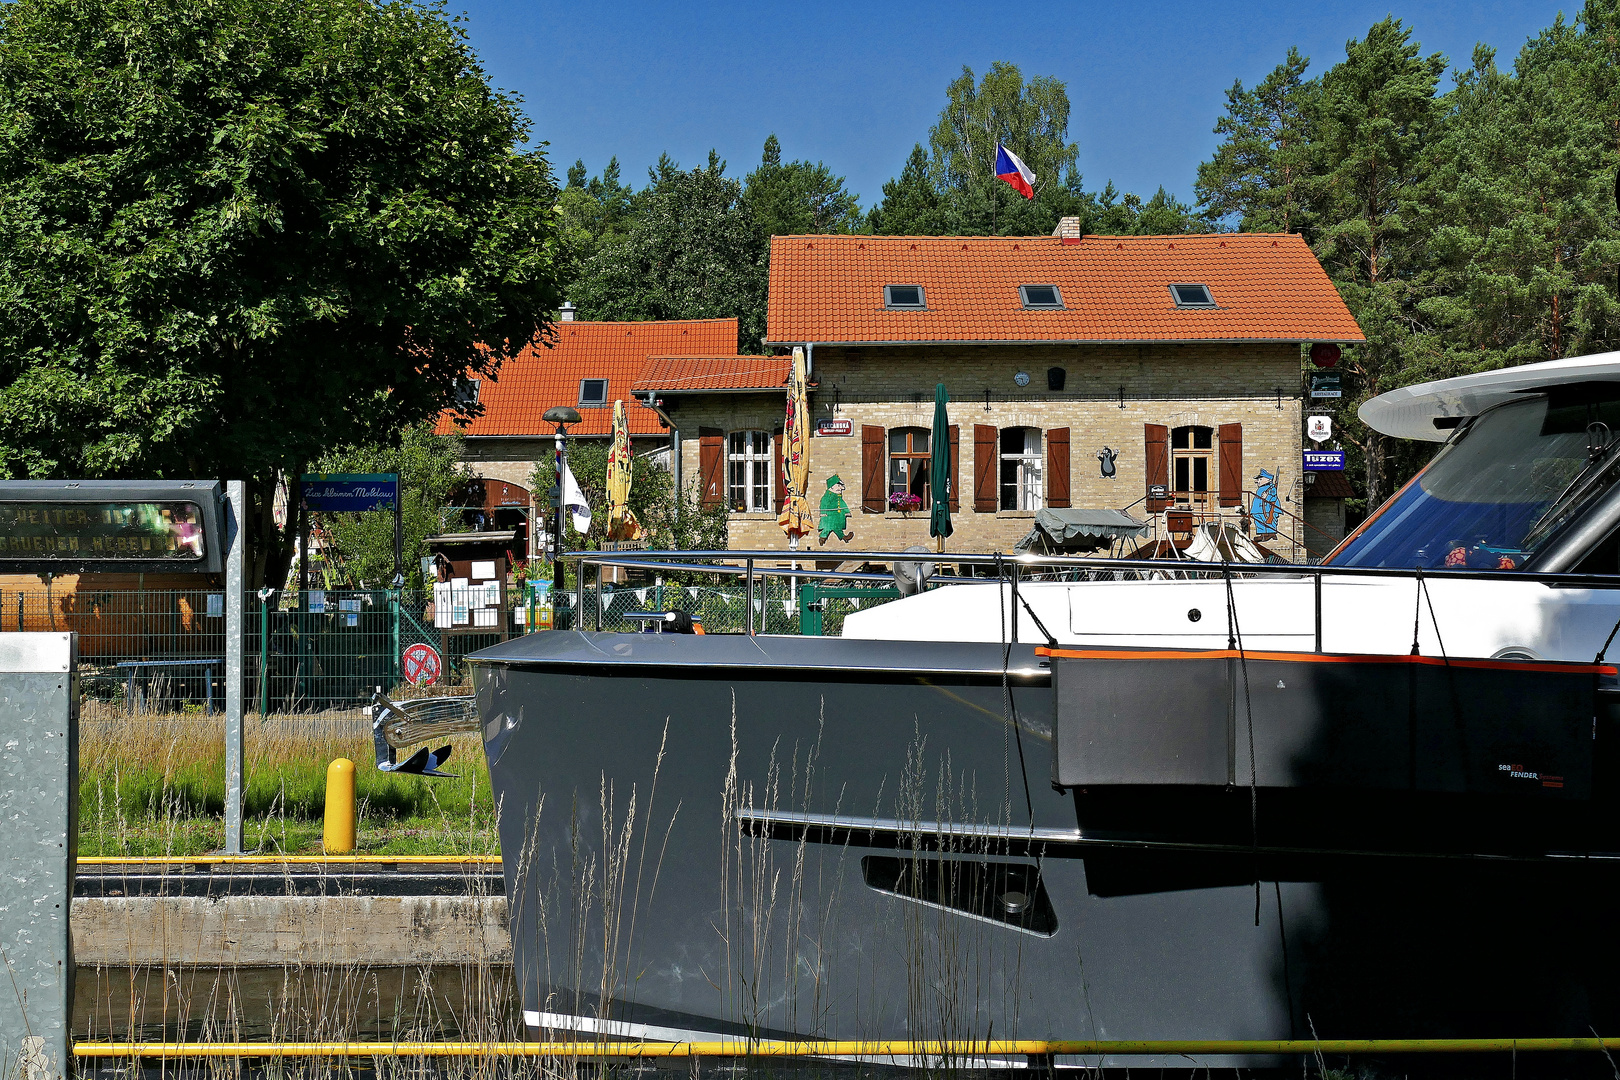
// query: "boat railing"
[[934, 569]]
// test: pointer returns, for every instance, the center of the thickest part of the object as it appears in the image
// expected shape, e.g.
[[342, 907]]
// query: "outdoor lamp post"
[[560, 415]]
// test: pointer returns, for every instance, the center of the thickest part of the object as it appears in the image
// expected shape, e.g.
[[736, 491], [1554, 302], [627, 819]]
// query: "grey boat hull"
[[862, 839]]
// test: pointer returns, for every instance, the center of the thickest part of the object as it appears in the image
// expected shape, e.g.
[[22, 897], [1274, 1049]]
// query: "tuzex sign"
[[1324, 461], [350, 491]]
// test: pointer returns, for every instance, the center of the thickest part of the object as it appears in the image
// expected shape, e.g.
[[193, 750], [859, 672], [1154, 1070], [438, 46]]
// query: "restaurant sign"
[[1324, 461], [71, 526], [1327, 384], [350, 491]]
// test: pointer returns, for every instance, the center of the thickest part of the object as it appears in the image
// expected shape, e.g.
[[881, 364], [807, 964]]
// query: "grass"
[[155, 785]]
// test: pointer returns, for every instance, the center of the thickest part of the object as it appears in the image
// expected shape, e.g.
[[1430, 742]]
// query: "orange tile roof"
[[540, 377], [685, 373], [1268, 287]]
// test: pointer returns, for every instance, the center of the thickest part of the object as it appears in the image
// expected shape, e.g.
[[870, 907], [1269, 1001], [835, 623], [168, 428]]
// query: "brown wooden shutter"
[[1231, 464], [780, 487], [1158, 462], [711, 465], [955, 435], [874, 500], [1057, 468], [984, 469]]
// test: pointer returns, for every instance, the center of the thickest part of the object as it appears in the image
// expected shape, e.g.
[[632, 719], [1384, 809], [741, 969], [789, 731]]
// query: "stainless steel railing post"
[[749, 616]]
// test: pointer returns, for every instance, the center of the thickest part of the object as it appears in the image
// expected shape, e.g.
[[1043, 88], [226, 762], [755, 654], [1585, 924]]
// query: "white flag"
[[574, 502], [641, 596]]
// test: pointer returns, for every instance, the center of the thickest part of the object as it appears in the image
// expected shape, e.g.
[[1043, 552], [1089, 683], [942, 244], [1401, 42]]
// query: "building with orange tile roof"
[[1153, 374], [587, 365]]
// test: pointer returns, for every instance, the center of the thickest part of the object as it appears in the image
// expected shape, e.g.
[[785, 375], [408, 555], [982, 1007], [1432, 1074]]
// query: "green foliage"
[[1259, 173], [911, 205], [693, 251], [429, 467], [672, 520], [799, 197], [593, 215], [234, 235]]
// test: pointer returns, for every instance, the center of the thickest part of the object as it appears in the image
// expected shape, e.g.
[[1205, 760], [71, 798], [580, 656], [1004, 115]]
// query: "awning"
[[1059, 531]]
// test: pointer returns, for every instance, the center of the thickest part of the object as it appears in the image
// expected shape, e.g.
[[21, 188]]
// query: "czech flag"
[[1011, 169]]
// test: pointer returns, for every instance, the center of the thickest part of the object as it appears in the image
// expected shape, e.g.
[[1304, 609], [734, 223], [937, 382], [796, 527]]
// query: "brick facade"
[[1110, 392]]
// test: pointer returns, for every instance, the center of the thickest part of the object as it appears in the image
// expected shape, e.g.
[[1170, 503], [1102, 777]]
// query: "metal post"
[[264, 652], [1318, 610], [579, 595], [39, 796], [235, 586], [749, 615], [599, 597], [303, 546], [399, 534], [561, 458]]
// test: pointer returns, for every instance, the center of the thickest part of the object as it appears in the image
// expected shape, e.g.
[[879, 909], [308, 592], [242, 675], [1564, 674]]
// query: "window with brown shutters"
[[984, 469], [1157, 440], [711, 466], [954, 433], [874, 498], [1231, 464], [1057, 468]]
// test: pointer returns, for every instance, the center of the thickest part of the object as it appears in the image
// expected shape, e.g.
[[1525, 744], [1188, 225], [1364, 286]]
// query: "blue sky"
[[856, 84]]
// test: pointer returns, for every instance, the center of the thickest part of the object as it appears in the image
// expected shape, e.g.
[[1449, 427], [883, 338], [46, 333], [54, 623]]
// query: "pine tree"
[[911, 203], [1376, 117], [1259, 172], [799, 197]]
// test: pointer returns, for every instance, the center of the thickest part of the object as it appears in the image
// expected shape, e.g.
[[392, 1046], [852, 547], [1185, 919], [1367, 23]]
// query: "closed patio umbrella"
[[939, 470], [796, 519], [622, 524]]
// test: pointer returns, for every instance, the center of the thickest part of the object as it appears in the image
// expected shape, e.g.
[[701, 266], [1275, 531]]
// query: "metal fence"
[[151, 650]]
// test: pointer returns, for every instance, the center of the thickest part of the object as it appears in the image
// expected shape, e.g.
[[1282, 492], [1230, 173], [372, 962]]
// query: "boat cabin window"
[[1191, 450], [1021, 469], [1500, 490], [748, 468], [908, 466]]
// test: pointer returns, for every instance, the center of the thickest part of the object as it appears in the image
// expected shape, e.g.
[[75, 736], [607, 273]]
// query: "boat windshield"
[[1496, 494]]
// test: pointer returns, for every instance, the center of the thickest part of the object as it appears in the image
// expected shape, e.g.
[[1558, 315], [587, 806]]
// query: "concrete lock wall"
[[39, 799]]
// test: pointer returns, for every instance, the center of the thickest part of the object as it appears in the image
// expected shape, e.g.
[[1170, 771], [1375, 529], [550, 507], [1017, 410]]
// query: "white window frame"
[[1026, 490], [748, 471]]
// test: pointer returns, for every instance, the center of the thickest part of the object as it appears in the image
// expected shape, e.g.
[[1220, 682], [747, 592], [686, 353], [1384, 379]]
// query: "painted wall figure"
[[834, 513], [1107, 455], [1266, 509]]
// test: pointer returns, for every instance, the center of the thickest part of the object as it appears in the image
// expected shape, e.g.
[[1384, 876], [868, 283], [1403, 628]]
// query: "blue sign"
[[1324, 461], [350, 491]]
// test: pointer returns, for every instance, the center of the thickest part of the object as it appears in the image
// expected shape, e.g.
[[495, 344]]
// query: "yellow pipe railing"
[[960, 1048]]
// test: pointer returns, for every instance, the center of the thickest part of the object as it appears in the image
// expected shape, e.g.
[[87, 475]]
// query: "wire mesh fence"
[[163, 650]]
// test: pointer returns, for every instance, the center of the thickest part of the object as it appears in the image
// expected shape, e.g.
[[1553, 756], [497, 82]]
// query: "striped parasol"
[[796, 519], [622, 524]]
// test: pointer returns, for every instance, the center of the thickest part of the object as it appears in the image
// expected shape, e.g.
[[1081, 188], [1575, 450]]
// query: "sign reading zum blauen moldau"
[[350, 491], [1324, 461]]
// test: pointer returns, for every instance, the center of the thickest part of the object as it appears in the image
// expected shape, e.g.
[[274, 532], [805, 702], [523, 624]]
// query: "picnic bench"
[[134, 669]]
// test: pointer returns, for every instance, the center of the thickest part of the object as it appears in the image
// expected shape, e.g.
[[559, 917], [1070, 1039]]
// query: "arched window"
[[748, 461], [1192, 450], [908, 463], [1021, 472]]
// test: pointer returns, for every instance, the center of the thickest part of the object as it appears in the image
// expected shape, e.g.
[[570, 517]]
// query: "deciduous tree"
[[236, 234]]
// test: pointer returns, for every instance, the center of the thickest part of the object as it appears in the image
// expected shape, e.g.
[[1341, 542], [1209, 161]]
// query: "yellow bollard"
[[337, 835]]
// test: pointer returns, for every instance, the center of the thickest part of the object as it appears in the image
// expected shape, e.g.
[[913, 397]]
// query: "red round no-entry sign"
[[421, 665]]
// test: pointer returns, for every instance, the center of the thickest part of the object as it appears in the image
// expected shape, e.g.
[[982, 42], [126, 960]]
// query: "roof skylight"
[[1040, 296], [904, 297], [1192, 296], [593, 391]]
